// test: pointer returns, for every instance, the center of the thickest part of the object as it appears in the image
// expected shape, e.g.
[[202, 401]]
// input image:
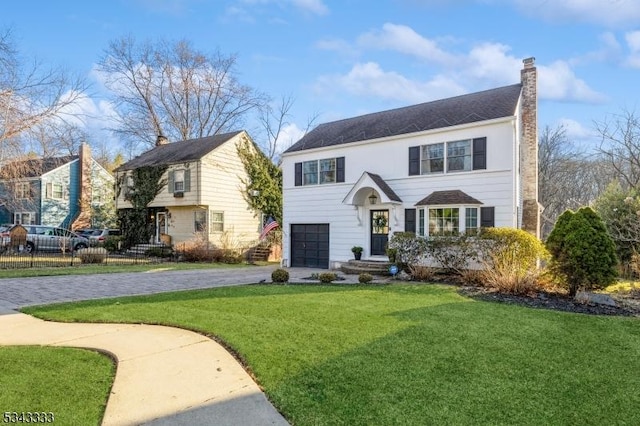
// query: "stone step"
[[373, 267]]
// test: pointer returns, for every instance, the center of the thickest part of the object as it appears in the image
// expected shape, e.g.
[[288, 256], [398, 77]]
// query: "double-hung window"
[[459, 156], [217, 221], [23, 190], [448, 157], [319, 172], [24, 218], [433, 158], [328, 170], [57, 191], [178, 181], [471, 220], [310, 172]]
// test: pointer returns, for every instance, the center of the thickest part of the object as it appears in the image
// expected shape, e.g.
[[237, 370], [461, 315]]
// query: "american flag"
[[270, 225]]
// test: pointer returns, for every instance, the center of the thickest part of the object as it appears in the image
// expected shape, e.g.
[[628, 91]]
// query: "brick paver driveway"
[[19, 292]]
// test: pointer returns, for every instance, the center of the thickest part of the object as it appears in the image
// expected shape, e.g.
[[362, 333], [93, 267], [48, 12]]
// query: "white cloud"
[[490, 63], [633, 41], [403, 39], [558, 82], [370, 80], [576, 131], [337, 45], [289, 135], [484, 66]]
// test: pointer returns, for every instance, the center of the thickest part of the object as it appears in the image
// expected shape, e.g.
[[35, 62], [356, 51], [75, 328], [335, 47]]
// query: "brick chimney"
[[83, 220], [161, 140], [529, 148]]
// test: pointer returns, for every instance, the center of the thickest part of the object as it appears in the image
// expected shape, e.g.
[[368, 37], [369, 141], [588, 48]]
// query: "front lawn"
[[405, 354], [53, 385]]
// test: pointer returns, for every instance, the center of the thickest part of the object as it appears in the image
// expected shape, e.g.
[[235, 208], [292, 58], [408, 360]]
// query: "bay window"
[[448, 220]]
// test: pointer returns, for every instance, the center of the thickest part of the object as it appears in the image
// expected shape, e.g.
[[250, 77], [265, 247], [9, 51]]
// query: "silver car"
[[50, 238]]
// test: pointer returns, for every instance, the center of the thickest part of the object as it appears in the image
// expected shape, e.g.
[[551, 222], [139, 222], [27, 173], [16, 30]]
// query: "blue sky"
[[344, 58]]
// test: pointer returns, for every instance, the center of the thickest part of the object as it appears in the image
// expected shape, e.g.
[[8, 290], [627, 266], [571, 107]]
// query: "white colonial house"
[[451, 165], [204, 191]]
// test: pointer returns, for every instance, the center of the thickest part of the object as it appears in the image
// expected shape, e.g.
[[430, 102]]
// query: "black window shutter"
[[298, 174], [479, 153], [414, 160], [340, 169], [487, 217], [410, 220]]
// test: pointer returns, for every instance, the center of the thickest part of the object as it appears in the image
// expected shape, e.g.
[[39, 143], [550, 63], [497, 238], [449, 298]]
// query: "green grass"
[[73, 384], [109, 269], [405, 354]]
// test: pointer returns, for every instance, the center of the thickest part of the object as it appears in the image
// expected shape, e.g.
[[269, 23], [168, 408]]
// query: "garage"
[[310, 245]]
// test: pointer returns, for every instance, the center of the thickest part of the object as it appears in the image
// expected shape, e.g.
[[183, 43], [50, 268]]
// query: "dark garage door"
[[310, 245]]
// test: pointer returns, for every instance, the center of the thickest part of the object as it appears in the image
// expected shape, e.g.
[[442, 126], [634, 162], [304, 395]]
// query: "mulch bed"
[[627, 306]]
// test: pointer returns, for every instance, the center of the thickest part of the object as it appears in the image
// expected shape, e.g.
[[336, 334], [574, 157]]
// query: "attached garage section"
[[310, 245]]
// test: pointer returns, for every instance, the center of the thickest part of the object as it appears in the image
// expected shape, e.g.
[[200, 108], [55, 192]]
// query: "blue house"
[[63, 191]]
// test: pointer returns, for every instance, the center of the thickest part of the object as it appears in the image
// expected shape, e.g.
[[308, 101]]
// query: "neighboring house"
[[56, 191], [451, 165], [204, 192]]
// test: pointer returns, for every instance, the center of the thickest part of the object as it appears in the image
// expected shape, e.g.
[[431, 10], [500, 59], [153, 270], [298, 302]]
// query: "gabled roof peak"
[[178, 152]]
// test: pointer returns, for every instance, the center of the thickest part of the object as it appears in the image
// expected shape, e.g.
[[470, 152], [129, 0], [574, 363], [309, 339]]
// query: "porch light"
[[372, 198]]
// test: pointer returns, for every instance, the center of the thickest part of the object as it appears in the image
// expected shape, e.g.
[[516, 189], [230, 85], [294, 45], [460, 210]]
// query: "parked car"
[[97, 236], [50, 238]]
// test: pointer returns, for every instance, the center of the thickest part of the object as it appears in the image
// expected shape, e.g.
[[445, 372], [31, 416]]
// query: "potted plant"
[[357, 252]]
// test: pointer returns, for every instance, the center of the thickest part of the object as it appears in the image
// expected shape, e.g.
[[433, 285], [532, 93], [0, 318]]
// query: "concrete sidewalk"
[[164, 375]]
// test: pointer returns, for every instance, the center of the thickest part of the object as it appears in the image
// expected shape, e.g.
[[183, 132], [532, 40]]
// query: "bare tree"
[[31, 95], [173, 90], [620, 146], [273, 122], [567, 177], [56, 138]]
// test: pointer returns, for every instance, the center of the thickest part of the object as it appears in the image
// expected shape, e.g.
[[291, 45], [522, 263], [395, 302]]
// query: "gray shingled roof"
[[447, 197], [479, 106], [34, 167], [178, 152], [384, 187]]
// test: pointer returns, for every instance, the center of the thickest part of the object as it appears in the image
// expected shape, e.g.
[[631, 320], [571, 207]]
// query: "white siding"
[[388, 158]]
